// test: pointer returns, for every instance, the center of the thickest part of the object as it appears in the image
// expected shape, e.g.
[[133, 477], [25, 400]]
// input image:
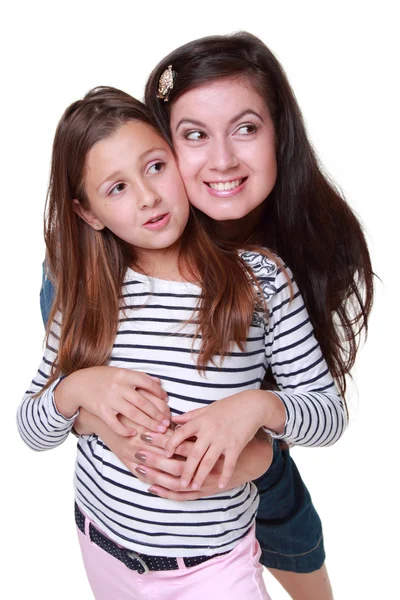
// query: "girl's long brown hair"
[[307, 222], [88, 267]]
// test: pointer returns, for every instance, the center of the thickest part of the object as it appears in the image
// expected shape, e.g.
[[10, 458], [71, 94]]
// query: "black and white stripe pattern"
[[153, 336]]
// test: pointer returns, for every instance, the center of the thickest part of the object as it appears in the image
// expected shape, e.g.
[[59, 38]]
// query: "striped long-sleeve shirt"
[[154, 337]]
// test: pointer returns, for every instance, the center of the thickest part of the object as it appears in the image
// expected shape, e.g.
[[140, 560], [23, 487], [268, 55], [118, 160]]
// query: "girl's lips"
[[226, 193], [158, 224]]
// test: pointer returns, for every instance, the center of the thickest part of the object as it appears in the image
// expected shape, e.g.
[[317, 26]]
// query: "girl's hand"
[[224, 427], [162, 473], [254, 461], [108, 391], [125, 448]]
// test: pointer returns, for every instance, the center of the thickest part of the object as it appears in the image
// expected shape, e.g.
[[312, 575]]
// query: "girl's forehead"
[[132, 143], [133, 137]]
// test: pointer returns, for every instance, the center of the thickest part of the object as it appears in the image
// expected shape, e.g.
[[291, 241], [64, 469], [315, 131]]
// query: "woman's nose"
[[222, 156]]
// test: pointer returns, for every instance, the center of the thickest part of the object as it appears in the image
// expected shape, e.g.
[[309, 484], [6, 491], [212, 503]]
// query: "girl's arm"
[[314, 411], [40, 424], [307, 410], [45, 417]]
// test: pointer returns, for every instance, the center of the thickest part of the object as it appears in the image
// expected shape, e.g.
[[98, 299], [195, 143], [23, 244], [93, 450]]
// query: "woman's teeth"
[[227, 185], [156, 219]]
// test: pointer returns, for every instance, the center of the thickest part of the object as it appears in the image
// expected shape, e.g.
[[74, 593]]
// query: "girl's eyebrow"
[[151, 150], [118, 174], [114, 175], [246, 111]]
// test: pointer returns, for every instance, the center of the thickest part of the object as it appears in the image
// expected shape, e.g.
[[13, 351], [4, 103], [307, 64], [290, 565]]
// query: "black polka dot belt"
[[142, 563]]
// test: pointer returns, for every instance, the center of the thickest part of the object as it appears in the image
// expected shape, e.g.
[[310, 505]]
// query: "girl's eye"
[[247, 129], [156, 168], [117, 189], [195, 135]]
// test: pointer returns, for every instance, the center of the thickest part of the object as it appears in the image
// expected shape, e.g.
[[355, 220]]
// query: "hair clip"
[[166, 83]]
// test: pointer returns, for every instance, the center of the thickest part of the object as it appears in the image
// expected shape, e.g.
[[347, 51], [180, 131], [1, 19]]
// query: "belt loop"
[[87, 530]]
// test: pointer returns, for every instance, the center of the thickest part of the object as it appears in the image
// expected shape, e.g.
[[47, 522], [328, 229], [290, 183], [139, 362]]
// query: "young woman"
[[140, 283], [247, 164]]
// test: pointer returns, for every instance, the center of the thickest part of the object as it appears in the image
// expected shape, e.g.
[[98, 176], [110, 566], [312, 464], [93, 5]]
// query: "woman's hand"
[[108, 391], [162, 473], [254, 461], [223, 428]]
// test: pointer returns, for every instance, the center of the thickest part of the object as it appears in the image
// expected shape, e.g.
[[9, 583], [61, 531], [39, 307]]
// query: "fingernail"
[[165, 422], [141, 470], [140, 456], [184, 483], [146, 438], [161, 428], [151, 490], [195, 486], [221, 486], [155, 378]]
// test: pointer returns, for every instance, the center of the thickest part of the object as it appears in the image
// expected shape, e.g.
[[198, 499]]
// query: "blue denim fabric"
[[288, 527], [46, 296]]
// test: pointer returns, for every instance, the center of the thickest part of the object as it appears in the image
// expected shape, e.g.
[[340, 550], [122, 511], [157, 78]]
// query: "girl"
[[298, 213], [191, 313]]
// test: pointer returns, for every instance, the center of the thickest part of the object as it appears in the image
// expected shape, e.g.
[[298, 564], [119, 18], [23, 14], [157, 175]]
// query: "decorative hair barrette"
[[166, 83]]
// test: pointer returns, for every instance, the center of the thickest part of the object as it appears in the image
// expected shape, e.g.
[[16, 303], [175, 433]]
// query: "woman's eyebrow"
[[189, 122], [196, 123], [243, 113]]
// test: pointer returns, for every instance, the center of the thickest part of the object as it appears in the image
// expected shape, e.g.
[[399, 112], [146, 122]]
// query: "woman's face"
[[225, 145]]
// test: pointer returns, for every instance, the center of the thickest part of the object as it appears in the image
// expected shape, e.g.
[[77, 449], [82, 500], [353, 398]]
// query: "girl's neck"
[[161, 264]]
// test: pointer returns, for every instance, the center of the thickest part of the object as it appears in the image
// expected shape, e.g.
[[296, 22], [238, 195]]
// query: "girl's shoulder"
[[265, 264], [272, 274]]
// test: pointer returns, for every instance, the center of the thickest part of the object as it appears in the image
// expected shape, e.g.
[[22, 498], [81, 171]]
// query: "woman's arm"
[[47, 293], [164, 473]]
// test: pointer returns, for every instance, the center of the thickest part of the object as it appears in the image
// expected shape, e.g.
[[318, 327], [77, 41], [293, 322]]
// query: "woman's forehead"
[[218, 100]]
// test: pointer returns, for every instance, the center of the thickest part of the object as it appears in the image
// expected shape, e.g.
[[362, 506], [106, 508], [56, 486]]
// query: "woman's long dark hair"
[[307, 222]]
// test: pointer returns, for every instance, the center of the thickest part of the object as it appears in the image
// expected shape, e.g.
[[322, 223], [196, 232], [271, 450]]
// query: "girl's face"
[[225, 145], [135, 189]]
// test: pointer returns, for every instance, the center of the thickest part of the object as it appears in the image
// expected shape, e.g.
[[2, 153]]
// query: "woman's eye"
[[117, 189], [156, 168], [195, 135], [246, 129]]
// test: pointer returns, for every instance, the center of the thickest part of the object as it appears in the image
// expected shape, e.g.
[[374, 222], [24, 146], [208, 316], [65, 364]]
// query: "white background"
[[342, 62]]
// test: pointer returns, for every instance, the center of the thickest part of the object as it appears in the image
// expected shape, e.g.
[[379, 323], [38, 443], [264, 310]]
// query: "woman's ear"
[[87, 215]]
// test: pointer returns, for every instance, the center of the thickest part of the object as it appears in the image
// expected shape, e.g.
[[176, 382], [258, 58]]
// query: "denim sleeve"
[[46, 296]]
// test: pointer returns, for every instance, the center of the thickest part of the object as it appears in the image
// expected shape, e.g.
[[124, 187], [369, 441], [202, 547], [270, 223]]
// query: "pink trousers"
[[233, 576]]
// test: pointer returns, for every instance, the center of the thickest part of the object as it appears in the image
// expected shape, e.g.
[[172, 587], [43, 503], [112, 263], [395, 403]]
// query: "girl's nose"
[[148, 197], [222, 156]]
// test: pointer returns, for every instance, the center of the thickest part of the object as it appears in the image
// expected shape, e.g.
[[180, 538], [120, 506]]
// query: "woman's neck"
[[241, 231]]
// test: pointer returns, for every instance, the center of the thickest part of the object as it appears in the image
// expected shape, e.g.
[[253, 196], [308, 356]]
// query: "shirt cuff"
[[288, 427], [55, 416]]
